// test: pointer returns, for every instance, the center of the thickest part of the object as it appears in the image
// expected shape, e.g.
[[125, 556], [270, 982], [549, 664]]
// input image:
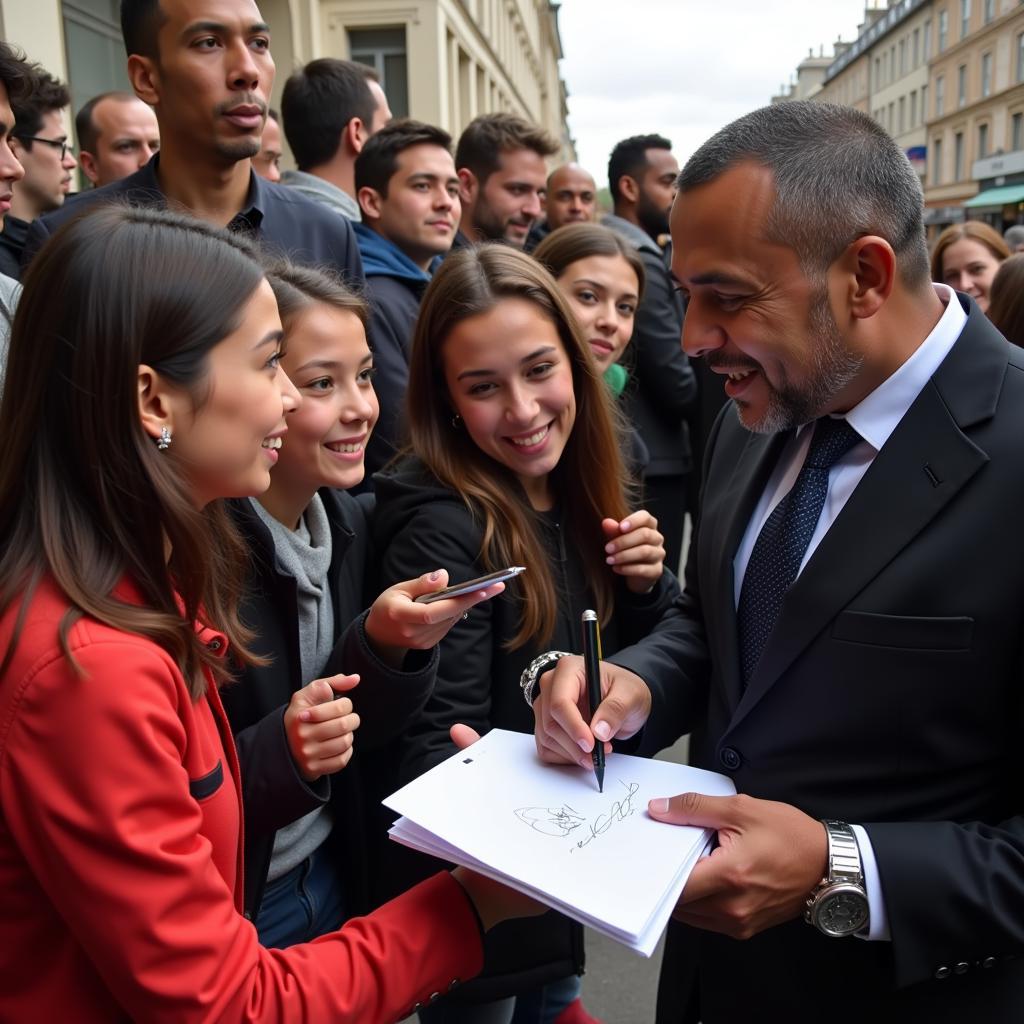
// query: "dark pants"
[[665, 499], [541, 1006], [306, 902]]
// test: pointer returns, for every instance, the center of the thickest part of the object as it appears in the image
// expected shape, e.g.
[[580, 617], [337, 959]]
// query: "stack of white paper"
[[547, 831]]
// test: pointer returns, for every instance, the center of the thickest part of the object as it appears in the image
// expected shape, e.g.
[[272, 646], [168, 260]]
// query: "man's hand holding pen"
[[563, 733]]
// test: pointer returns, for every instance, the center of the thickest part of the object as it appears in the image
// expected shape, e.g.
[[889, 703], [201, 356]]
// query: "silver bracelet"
[[528, 680]]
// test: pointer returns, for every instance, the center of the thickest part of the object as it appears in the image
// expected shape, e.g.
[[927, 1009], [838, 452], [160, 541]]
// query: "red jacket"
[[120, 858]]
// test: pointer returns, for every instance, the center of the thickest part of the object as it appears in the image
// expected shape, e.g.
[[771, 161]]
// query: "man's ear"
[[145, 78], [468, 184], [868, 267], [156, 403], [354, 135], [369, 202], [88, 162], [629, 189]]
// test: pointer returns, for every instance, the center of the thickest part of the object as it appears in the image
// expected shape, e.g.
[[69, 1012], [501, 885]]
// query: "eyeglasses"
[[61, 144]]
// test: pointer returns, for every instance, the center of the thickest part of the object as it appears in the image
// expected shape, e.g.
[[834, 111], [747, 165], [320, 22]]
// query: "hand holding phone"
[[458, 589]]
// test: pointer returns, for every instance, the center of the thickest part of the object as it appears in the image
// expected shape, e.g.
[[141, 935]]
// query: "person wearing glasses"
[[40, 143]]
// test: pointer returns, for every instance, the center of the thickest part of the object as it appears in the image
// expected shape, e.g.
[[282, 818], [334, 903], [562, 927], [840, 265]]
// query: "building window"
[[958, 156], [926, 54], [986, 74], [383, 49], [965, 18], [961, 85], [924, 103], [892, 118], [903, 114], [1020, 57], [943, 29], [982, 141], [913, 109], [903, 57], [93, 48], [878, 73], [1016, 132], [990, 10], [940, 95], [937, 162], [917, 47]]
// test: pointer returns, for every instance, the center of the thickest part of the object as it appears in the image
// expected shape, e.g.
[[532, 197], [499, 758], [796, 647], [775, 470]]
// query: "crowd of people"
[[251, 415]]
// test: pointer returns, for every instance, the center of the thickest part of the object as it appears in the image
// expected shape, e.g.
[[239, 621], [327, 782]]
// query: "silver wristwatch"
[[838, 906], [533, 671]]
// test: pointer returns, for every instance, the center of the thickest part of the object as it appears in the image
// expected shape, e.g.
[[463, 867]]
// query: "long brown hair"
[[572, 242], [85, 496], [589, 482], [1006, 299]]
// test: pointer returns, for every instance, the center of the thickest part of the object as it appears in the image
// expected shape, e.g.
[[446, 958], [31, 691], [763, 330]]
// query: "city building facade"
[[441, 61]]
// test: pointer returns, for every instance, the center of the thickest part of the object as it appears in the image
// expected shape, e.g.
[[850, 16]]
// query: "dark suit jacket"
[[889, 695]]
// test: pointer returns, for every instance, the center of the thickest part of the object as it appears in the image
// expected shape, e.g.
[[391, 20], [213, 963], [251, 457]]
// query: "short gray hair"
[[1014, 236], [838, 176]]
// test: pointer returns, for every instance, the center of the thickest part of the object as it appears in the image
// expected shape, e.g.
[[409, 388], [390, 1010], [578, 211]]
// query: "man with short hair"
[[641, 178], [500, 160], [848, 647], [205, 68], [117, 135], [39, 142], [267, 162], [15, 82], [331, 108], [570, 198], [1014, 238], [409, 194]]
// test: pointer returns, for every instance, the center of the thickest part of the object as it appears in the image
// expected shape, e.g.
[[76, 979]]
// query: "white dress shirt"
[[874, 418]]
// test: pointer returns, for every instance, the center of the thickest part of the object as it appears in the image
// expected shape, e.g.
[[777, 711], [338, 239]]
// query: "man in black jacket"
[[641, 178], [205, 68], [409, 195]]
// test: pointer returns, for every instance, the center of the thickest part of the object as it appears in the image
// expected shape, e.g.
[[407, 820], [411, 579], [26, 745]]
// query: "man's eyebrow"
[[713, 277], [220, 28]]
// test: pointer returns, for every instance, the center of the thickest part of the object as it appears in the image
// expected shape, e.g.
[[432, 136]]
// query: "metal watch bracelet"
[[533, 671]]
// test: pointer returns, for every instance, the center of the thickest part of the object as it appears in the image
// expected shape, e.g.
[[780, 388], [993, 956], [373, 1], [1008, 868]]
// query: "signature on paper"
[[563, 821]]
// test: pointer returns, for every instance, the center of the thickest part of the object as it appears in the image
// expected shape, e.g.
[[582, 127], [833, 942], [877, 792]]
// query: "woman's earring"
[[165, 439], [456, 422]]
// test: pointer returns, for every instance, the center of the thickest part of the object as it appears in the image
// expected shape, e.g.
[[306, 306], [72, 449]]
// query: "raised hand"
[[320, 728], [635, 550]]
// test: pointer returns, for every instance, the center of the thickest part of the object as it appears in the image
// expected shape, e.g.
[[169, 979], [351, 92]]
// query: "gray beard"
[[834, 367]]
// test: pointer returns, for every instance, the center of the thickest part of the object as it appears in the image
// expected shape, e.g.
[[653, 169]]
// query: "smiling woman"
[[148, 392], [515, 460]]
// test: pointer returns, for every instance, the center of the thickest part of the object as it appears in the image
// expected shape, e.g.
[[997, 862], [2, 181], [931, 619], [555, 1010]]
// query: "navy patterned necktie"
[[783, 540]]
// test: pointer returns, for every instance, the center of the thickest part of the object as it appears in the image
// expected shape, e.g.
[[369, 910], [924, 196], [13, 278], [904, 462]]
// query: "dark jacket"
[[394, 286], [274, 793], [538, 232], [283, 221], [664, 388], [12, 243], [421, 525]]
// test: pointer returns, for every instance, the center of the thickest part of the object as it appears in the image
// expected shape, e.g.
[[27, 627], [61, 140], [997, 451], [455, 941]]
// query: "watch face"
[[842, 911]]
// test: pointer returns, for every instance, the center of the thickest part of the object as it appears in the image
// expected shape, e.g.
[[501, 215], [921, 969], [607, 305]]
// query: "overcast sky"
[[684, 68]]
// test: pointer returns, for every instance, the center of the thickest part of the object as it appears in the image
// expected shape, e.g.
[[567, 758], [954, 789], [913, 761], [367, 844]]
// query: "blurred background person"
[[39, 141], [1014, 238], [15, 80], [117, 134], [1006, 304], [500, 160], [642, 174], [267, 162], [570, 198], [409, 194], [966, 257], [330, 109]]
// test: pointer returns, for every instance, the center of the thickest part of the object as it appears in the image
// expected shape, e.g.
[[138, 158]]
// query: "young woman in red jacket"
[[143, 386]]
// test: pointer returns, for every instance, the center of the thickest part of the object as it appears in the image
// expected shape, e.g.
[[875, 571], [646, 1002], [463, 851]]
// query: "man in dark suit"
[[848, 647]]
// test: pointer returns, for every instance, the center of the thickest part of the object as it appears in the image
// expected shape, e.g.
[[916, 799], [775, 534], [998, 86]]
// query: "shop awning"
[[997, 197]]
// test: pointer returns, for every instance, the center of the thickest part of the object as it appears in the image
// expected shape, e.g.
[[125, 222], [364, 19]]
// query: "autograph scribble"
[[563, 821]]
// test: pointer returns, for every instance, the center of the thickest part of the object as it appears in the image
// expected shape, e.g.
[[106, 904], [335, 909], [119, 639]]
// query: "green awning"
[[996, 197]]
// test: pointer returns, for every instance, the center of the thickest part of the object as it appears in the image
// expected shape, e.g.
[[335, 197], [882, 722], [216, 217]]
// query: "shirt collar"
[[878, 415]]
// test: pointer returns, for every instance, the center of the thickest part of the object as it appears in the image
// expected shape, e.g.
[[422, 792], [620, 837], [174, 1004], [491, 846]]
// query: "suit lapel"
[[925, 463], [725, 517]]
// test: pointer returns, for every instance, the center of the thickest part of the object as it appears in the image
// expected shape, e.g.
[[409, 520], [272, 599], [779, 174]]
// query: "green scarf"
[[615, 377]]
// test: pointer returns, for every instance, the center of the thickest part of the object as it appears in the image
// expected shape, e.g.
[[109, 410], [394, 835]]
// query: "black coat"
[[662, 388], [889, 694], [274, 794], [422, 525], [394, 306]]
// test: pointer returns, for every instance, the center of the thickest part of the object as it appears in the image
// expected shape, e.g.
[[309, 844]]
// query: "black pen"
[[592, 666]]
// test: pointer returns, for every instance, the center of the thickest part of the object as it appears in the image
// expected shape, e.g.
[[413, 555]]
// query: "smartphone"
[[458, 589]]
